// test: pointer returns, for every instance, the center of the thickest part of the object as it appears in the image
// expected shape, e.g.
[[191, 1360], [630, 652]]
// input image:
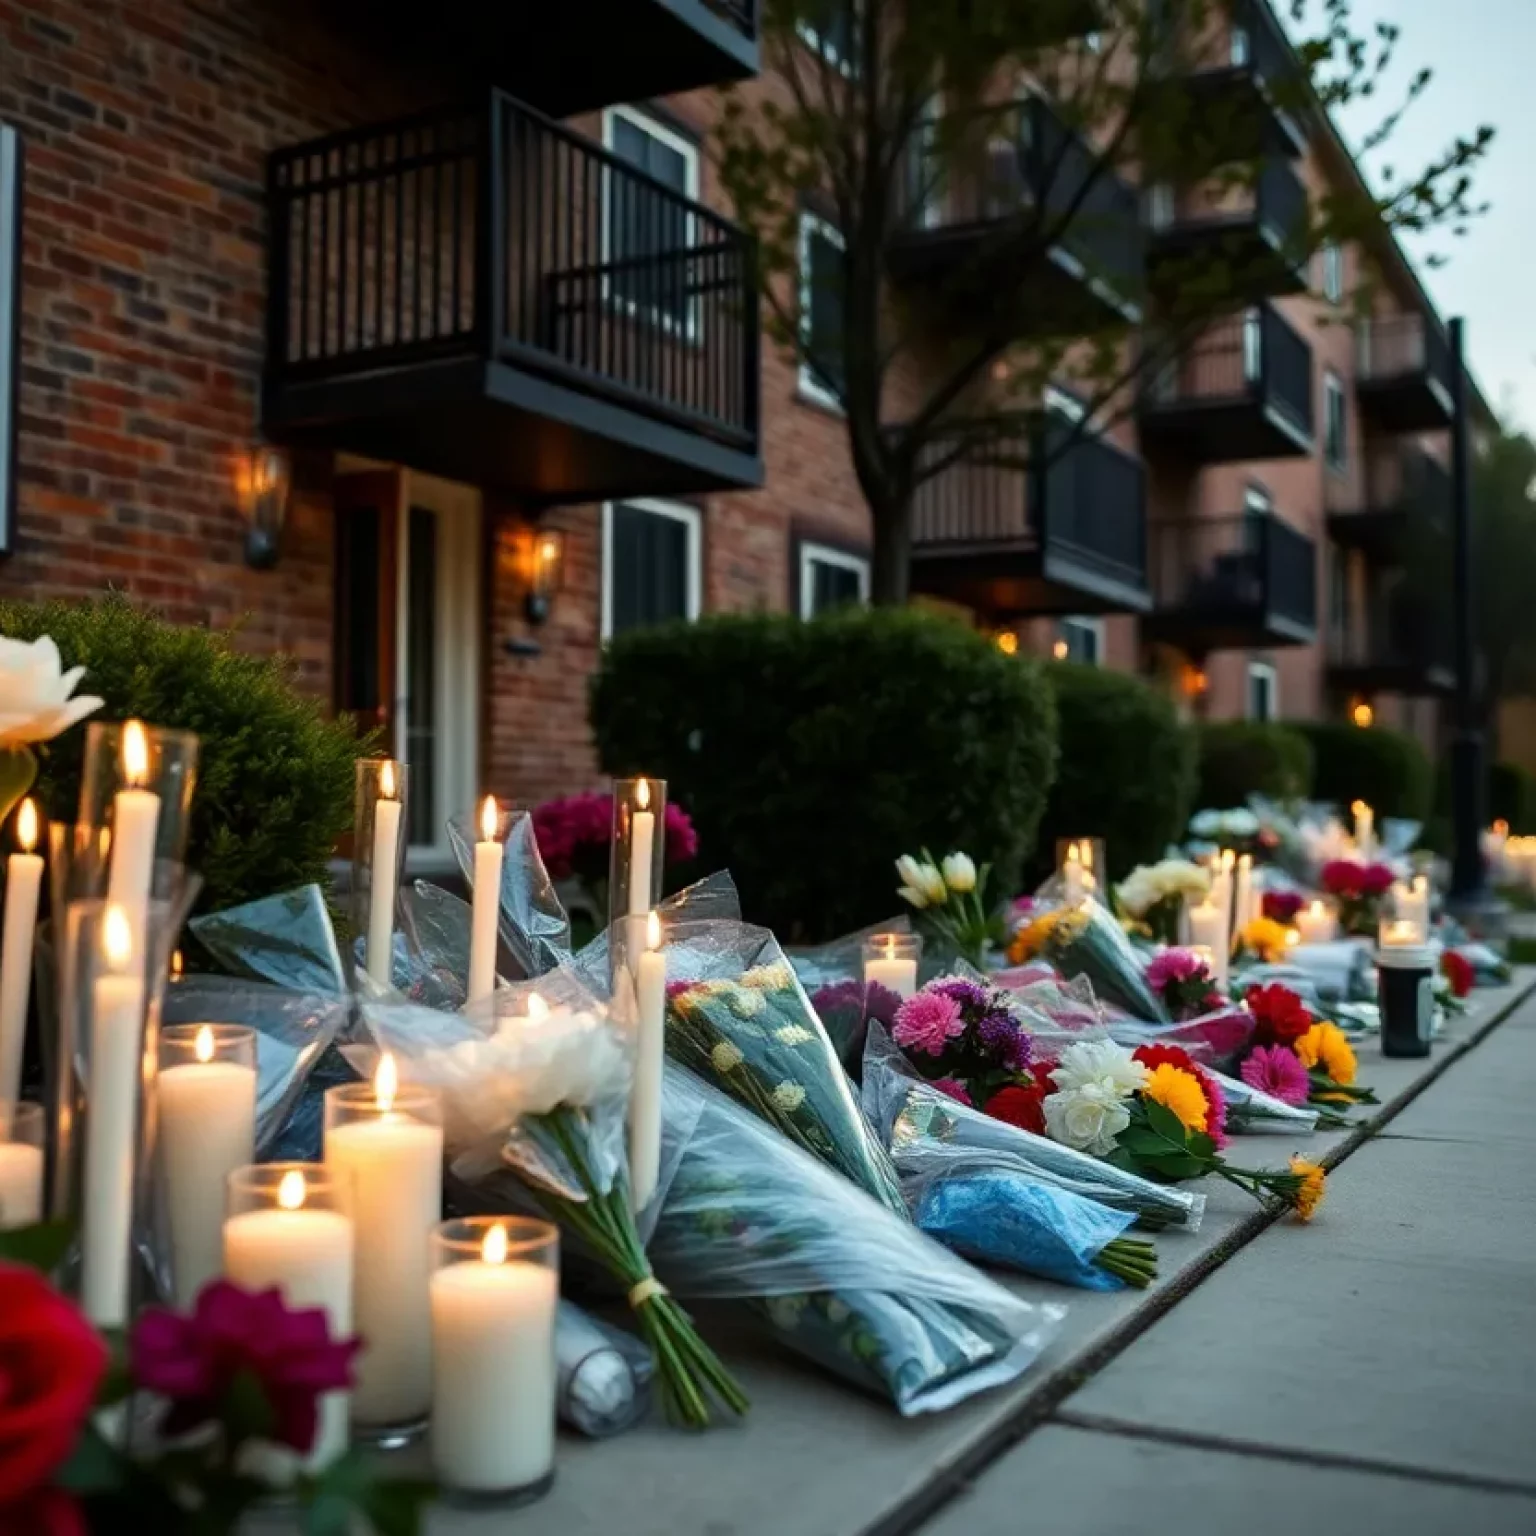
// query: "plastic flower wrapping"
[[1086, 939]]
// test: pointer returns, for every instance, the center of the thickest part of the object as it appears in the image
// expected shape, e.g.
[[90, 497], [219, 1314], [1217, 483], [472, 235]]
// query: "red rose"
[[1376, 879], [51, 1363], [48, 1513], [1281, 906], [1282, 1018], [1343, 877], [1020, 1103], [1457, 970]]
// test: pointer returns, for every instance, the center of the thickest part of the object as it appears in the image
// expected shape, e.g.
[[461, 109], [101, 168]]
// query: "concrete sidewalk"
[[1375, 1372]]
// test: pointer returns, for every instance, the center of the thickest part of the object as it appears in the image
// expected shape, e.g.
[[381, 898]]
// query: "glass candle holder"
[[379, 836], [1316, 923], [1404, 916], [22, 1128], [1080, 863], [636, 863], [494, 1291], [136, 785], [891, 961], [388, 1138], [206, 1111], [289, 1226]]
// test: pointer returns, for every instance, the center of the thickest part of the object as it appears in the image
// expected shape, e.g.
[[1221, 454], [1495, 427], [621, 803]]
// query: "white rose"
[[1086, 1118], [960, 873], [1099, 1061], [35, 703], [1137, 891]]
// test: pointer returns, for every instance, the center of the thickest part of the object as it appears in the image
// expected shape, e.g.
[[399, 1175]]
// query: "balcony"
[[1403, 373], [574, 56], [1252, 231], [992, 187], [1404, 500], [1242, 391], [485, 296], [1402, 647], [1232, 583], [1030, 518]]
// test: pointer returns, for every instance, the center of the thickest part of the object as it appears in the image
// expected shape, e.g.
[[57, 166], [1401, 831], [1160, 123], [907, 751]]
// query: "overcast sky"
[[1483, 57]]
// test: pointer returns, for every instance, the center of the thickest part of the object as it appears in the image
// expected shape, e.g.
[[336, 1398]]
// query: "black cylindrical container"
[[1406, 993]]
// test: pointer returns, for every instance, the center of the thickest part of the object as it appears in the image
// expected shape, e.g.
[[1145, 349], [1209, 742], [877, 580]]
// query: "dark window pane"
[[832, 586], [421, 672], [359, 688], [825, 280], [647, 227], [648, 568]]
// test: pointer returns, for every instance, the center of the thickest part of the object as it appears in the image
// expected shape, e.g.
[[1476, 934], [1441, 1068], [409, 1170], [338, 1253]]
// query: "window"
[[653, 565], [1242, 48], [10, 308], [1335, 447], [647, 233], [1253, 347], [830, 578], [407, 637], [1263, 691], [821, 310], [1162, 207], [833, 33], [1083, 639], [1333, 273]]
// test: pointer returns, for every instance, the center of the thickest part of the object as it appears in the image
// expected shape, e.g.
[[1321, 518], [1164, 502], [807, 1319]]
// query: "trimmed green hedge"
[[1511, 797], [1387, 769], [275, 776], [1239, 758], [1128, 767], [811, 754]]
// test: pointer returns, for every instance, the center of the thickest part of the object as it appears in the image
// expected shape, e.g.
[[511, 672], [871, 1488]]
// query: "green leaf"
[[42, 1246], [94, 1465], [395, 1507], [1163, 1121], [247, 1410]]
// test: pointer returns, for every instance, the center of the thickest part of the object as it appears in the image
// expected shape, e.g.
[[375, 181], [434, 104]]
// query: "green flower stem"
[[1132, 1260]]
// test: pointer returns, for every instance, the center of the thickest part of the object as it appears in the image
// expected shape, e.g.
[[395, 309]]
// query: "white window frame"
[[1162, 205], [1240, 48], [1266, 674], [812, 39], [1253, 346], [812, 554], [1333, 272], [1088, 626], [691, 329], [1333, 399], [812, 225], [457, 644], [679, 511]]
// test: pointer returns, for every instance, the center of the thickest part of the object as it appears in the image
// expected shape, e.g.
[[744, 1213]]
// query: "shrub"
[[1511, 797], [1387, 769], [811, 754], [275, 777], [1127, 767], [1239, 758]]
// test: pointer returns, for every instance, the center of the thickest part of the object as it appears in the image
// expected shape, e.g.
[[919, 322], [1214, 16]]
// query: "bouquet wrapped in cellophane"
[[838, 1277], [1084, 938], [535, 1082]]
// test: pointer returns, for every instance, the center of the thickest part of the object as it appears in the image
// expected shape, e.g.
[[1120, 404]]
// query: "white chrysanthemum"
[[788, 1097], [1087, 1118], [794, 1034], [747, 1003], [1099, 1061], [725, 1057], [35, 703]]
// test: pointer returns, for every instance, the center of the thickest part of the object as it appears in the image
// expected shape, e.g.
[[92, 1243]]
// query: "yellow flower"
[[1265, 938], [1325, 1045], [1313, 1182], [1181, 1092], [1031, 939]]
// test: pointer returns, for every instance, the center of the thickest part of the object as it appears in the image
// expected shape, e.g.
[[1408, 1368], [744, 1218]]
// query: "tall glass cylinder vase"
[[636, 865], [1080, 863], [379, 836]]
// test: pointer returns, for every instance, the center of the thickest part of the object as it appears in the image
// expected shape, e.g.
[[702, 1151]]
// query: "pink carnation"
[[1173, 966], [1277, 1071], [927, 1022], [953, 1087]]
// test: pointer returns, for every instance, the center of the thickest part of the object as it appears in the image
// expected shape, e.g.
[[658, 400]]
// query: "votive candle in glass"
[[23, 886], [22, 1131], [891, 960], [1080, 862], [1316, 924]]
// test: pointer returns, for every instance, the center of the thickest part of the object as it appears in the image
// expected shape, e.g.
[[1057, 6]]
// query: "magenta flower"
[[1277, 1071], [1216, 1110], [953, 1087], [927, 1022], [193, 1361], [1175, 966], [575, 834]]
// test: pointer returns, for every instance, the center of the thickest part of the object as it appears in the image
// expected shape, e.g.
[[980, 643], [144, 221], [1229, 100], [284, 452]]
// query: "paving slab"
[[1071, 1482]]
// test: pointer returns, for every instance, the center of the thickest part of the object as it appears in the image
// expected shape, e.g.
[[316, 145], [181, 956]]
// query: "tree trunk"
[[890, 580]]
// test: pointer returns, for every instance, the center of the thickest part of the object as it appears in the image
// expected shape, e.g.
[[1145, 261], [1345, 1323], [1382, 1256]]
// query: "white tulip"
[[910, 893], [909, 871], [959, 873], [35, 703], [1087, 1118]]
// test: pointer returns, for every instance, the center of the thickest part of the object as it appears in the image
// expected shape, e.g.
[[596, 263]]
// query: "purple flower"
[[968, 995], [1173, 966], [927, 1022], [999, 1033], [1277, 1071], [953, 1087]]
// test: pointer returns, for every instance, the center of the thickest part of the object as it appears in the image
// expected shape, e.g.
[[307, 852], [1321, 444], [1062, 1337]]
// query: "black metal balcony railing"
[[1268, 54], [742, 14], [1399, 644], [1396, 479], [1393, 347], [497, 234], [997, 163], [1047, 488], [1252, 574]]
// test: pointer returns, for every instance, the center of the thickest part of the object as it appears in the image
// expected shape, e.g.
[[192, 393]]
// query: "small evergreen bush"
[[1387, 769], [1239, 758]]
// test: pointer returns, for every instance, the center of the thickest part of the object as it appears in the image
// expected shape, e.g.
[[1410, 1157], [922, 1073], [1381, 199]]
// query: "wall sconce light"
[[1007, 642], [1362, 714], [543, 571], [1193, 681], [263, 481], [1060, 650]]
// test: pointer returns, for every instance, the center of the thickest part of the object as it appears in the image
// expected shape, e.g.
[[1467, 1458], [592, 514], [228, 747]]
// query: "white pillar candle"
[[307, 1254], [493, 1371], [1315, 924], [642, 848], [395, 1164], [21, 1184], [1244, 902], [650, 1048], [1221, 899], [1207, 931], [381, 902], [23, 882], [112, 1093], [207, 1127], [485, 911], [135, 826], [1365, 829]]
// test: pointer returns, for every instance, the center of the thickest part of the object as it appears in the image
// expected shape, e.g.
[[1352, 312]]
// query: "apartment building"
[[509, 350]]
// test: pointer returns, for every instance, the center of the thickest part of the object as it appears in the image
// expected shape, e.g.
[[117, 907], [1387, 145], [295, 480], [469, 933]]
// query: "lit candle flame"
[[204, 1047], [135, 755], [537, 1007], [387, 779], [117, 938], [176, 965], [386, 1082], [1073, 856], [1317, 910], [494, 1249], [653, 931], [489, 817], [1228, 859], [292, 1191], [642, 795], [26, 825], [1421, 885], [1501, 828], [1292, 937], [1359, 808], [890, 946]]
